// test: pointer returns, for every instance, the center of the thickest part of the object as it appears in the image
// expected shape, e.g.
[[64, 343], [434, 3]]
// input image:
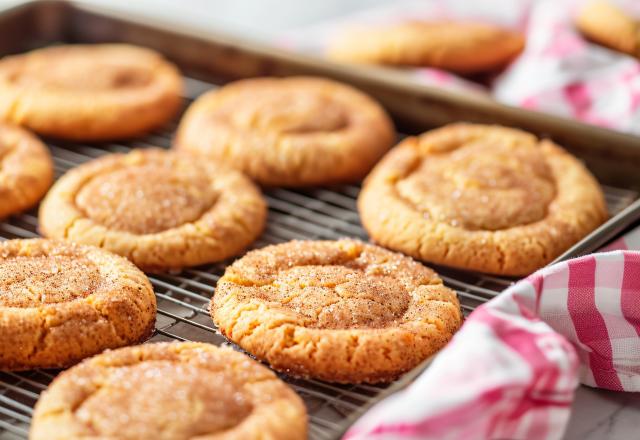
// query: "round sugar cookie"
[[61, 302], [295, 131], [341, 311], [26, 170], [485, 198], [89, 92], [455, 46], [177, 391], [160, 209]]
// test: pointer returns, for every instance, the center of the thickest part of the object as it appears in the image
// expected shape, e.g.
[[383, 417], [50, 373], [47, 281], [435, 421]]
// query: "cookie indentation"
[[481, 197], [296, 112], [482, 185], [62, 302], [80, 76], [142, 200], [93, 92], [160, 209], [295, 131], [171, 386], [178, 391]]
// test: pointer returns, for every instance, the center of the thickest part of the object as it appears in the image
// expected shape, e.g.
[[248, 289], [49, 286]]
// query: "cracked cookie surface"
[[294, 131], [458, 47], [484, 198], [160, 209], [174, 391], [26, 170], [89, 92], [61, 302], [341, 311]]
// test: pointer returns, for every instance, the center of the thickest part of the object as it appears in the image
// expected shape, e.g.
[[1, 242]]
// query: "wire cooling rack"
[[318, 213]]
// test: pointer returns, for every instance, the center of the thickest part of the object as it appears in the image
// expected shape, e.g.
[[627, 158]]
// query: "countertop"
[[599, 414], [596, 414]]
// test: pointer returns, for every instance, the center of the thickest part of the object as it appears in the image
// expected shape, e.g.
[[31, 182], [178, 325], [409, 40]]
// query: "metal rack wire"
[[318, 213]]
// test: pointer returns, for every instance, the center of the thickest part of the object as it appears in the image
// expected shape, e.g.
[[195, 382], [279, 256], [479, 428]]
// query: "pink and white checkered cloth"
[[511, 370], [559, 72]]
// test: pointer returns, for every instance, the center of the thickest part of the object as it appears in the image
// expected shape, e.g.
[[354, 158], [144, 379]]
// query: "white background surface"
[[250, 18]]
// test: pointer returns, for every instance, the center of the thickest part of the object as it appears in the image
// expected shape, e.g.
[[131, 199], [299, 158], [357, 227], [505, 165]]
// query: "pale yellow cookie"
[[606, 24], [176, 391], [289, 132], [340, 311], [89, 92], [479, 197], [160, 209], [61, 302], [456, 46], [26, 170]]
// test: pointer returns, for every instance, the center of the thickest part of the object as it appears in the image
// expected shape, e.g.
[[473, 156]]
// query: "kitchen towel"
[[512, 369], [559, 71]]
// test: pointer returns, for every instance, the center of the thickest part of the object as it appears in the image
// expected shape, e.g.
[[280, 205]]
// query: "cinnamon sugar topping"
[[484, 183], [33, 281], [164, 390], [352, 286], [146, 199]]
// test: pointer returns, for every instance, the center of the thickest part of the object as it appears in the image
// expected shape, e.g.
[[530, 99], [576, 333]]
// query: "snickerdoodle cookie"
[[458, 47], [341, 311], [486, 198], [177, 391], [61, 302], [606, 24], [89, 92], [160, 209], [26, 170], [289, 132]]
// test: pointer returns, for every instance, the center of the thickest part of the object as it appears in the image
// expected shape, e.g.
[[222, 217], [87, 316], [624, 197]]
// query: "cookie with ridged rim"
[[485, 198], [607, 24], [296, 131], [341, 311], [61, 302], [26, 170], [177, 391], [456, 46], [160, 209], [89, 92]]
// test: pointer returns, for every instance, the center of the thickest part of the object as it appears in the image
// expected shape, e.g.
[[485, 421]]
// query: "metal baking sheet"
[[315, 213]]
